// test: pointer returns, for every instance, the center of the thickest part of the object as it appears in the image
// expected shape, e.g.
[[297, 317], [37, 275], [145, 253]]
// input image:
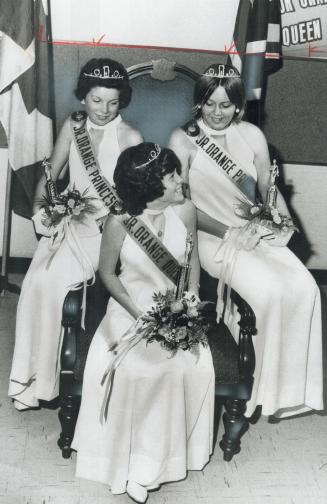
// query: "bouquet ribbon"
[[229, 259], [129, 339], [233, 243], [66, 230]]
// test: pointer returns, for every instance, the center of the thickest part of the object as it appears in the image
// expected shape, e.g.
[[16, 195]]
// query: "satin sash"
[[221, 159]]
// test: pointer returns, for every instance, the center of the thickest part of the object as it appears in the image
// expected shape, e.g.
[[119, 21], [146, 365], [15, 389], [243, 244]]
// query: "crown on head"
[[104, 73], [221, 73], [152, 156]]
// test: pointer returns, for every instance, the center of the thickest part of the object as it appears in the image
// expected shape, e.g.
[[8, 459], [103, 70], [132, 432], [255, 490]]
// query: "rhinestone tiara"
[[152, 156], [221, 73], [104, 73]]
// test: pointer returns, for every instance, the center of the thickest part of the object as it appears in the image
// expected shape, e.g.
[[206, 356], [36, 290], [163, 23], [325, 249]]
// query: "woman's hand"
[[248, 237], [136, 312], [38, 219], [244, 238]]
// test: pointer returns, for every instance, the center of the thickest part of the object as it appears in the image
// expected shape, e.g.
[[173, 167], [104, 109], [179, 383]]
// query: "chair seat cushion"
[[225, 354]]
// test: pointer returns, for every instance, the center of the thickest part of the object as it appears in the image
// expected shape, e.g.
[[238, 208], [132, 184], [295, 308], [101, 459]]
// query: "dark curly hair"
[[85, 83], [138, 181], [206, 85]]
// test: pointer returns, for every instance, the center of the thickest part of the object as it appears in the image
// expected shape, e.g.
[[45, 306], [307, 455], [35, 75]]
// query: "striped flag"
[[25, 119], [256, 46]]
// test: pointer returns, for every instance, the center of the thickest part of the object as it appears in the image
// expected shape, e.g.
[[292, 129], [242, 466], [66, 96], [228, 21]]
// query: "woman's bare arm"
[[111, 244]]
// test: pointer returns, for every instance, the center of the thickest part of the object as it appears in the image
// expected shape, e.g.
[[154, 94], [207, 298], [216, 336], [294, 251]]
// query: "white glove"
[[39, 227]]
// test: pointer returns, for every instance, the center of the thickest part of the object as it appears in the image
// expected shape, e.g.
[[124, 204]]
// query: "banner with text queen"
[[304, 28]]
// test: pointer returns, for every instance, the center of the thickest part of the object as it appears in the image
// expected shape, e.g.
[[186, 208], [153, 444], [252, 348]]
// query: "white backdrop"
[[192, 24]]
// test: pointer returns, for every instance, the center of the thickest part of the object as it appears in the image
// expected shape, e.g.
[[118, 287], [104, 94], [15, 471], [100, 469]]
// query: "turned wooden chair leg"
[[68, 416], [236, 424]]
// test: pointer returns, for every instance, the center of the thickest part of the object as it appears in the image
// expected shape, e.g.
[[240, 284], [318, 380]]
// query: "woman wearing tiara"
[[160, 410], [57, 266], [225, 162]]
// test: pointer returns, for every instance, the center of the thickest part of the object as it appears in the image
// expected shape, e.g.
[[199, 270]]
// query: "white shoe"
[[136, 492]]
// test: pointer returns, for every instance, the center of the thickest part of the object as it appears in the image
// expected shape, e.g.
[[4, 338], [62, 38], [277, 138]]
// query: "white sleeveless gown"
[[35, 367], [280, 290], [160, 417]]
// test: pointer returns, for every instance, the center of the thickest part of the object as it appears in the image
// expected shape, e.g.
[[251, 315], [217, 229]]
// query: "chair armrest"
[[71, 317], [248, 329]]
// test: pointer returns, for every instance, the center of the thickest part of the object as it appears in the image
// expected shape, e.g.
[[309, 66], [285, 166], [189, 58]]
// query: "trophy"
[[272, 225], [272, 189], [270, 211], [184, 271], [50, 184]]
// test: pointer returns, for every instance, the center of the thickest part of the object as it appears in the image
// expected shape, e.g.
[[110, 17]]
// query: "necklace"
[[157, 219]]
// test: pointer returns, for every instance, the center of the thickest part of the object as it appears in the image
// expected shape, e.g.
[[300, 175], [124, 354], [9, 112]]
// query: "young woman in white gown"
[[160, 414], [280, 290], [103, 89]]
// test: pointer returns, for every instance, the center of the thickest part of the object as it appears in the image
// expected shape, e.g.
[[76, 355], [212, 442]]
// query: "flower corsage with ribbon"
[[178, 324], [69, 204], [265, 218]]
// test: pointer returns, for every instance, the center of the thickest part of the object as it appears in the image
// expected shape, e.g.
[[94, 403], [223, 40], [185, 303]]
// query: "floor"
[[283, 463]]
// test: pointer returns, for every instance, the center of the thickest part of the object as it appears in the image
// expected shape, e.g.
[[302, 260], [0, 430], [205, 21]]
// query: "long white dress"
[[160, 417], [35, 366], [280, 290]]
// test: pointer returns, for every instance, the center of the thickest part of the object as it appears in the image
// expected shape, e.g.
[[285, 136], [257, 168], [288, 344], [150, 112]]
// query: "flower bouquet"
[[265, 218], [178, 323], [179, 320], [70, 203]]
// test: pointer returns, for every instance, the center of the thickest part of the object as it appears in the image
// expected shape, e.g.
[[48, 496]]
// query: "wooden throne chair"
[[162, 100]]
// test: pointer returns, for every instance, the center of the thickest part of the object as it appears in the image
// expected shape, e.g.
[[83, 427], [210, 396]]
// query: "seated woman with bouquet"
[[148, 392], [226, 166], [68, 252]]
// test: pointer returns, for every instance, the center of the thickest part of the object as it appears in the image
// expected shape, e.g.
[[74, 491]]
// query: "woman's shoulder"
[[129, 134], [180, 143], [178, 135], [248, 129], [251, 133], [186, 211], [114, 226], [66, 128]]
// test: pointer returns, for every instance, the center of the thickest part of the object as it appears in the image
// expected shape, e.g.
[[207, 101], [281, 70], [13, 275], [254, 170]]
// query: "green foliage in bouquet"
[[178, 324]]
